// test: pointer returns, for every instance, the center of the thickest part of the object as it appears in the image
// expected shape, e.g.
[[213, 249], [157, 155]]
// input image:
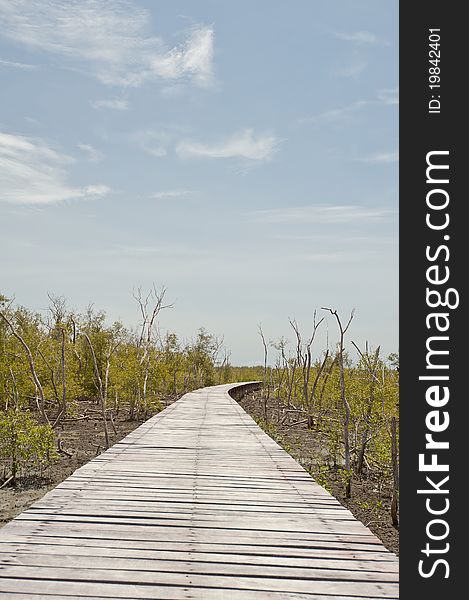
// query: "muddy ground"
[[84, 439], [370, 502]]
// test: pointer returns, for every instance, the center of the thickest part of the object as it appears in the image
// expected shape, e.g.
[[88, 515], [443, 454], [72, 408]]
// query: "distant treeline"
[[48, 363]]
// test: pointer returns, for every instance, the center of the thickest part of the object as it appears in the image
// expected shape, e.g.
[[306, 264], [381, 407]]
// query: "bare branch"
[[32, 368]]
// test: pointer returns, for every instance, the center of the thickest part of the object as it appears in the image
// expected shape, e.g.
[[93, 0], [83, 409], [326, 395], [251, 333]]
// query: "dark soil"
[[83, 439], [370, 500]]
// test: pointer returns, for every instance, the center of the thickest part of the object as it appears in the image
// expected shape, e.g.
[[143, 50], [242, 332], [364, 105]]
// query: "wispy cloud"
[[170, 194], [368, 238], [353, 69], [33, 173], [92, 153], [111, 103], [320, 214], [111, 37], [32, 120], [94, 191], [16, 65], [360, 37], [152, 142], [381, 157], [168, 252], [389, 95], [330, 257], [336, 114], [244, 144]]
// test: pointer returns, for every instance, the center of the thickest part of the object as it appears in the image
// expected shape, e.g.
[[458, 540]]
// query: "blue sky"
[[242, 154]]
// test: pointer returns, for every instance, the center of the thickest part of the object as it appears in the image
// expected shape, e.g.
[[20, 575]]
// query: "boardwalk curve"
[[197, 503]]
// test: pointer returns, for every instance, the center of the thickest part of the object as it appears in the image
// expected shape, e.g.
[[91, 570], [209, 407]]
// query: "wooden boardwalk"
[[198, 502]]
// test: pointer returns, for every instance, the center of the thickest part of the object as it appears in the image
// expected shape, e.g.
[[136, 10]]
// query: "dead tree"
[[15, 393], [224, 366], [290, 367], [265, 385], [64, 375], [52, 380], [74, 342], [58, 309], [371, 364], [102, 389], [327, 373], [281, 371], [40, 399], [395, 474], [146, 332], [346, 405], [303, 353]]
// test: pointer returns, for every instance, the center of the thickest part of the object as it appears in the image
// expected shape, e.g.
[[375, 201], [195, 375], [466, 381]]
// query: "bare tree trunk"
[[346, 405], [104, 403], [37, 383], [64, 373], [324, 383], [303, 352], [144, 389], [54, 387], [100, 387], [16, 396], [146, 334], [266, 388], [395, 474], [371, 367], [316, 380]]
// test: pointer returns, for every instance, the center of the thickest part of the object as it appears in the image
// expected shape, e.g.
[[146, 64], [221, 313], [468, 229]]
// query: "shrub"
[[25, 445]]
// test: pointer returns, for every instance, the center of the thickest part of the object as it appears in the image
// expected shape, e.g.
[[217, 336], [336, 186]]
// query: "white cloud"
[[353, 69], [97, 191], [244, 144], [171, 194], [360, 37], [389, 96], [32, 120], [111, 36], [33, 173], [193, 58], [111, 103], [334, 115], [92, 153], [320, 214], [322, 257], [381, 157], [16, 65], [152, 142], [168, 252]]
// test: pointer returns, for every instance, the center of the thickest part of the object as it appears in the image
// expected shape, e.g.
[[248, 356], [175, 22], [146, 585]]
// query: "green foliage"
[[345, 476], [321, 476], [372, 395], [268, 427], [77, 356], [24, 443]]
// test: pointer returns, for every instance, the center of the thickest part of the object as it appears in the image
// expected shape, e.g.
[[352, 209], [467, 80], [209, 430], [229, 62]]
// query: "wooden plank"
[[184, 554], [61, 590], [350, 585], [69, 545], [198, 502], [225, 568]]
